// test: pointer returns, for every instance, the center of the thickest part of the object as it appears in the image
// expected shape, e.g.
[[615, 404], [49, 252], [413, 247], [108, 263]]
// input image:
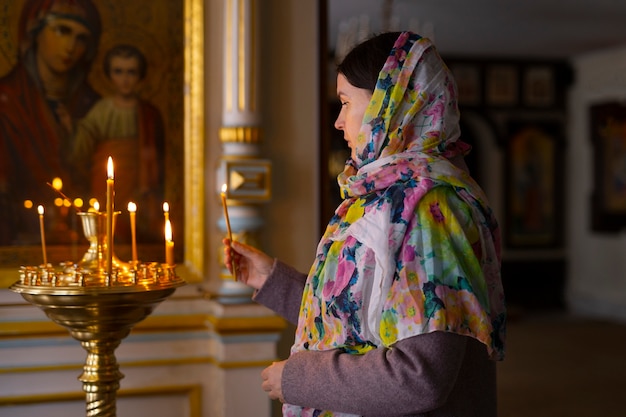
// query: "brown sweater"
[[437, 374]]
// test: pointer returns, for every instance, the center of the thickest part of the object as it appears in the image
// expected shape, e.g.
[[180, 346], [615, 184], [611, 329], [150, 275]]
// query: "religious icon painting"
[[533, 185], [127, 65], [608, 136]]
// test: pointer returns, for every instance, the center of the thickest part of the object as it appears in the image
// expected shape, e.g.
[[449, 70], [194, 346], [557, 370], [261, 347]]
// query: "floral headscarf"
[[387, 267]]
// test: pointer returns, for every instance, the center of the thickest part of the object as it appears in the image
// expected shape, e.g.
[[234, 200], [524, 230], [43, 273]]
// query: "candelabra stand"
[[99, 309]]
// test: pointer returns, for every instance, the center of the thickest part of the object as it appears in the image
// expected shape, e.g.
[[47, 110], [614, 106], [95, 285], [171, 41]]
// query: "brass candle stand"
[[99, 309]]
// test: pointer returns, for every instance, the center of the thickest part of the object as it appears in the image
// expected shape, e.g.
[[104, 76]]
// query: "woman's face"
[[354, 102], [61, 44], [124, 72]]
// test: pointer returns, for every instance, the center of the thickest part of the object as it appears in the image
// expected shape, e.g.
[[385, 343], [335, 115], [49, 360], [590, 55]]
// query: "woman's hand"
[[252, 266], [272, 380]]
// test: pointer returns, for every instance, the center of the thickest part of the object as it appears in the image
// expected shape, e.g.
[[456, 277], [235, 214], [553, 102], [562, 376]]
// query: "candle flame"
[[132, 207], [110, 168], [166, 207], [57, 183], [40, 209], [168, 231], [96, 206], [224, 188]]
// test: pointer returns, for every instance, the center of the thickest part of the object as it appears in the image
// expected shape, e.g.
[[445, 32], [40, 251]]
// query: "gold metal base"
[[99, 320], [97, 307]]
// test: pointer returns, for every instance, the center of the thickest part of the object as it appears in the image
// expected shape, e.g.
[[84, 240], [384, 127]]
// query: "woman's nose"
[[339, 122]]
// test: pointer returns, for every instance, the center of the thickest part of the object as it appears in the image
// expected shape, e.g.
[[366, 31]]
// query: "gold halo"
[[9, 44], [147, 44]]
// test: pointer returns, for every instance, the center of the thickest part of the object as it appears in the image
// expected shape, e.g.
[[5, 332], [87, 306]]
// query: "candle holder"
[[94, 228], [98, 308]]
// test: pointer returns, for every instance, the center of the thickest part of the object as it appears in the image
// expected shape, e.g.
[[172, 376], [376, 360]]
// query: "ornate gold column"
[[247, 177]]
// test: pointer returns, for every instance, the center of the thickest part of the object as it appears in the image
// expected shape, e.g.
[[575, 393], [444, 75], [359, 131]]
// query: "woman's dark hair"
[[363, 63]]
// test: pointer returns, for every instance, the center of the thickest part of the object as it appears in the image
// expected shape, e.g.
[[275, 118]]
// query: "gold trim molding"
[[240, 134], [194, 138], [220, 325], [193, 393]]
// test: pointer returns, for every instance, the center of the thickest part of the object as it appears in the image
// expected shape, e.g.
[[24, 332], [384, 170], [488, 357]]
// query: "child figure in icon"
[[130, 130]]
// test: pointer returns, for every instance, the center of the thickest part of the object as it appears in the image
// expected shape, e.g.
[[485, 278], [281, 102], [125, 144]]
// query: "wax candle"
[[227, 221], [132, 209], [43, 235], [110, 208], [166, 211], [169, 243], [225, 207]]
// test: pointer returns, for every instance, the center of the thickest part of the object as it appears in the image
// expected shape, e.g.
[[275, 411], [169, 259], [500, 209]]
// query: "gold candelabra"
[[99, 304]]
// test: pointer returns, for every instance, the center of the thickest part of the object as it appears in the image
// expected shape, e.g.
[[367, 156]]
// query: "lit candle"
[[227, 220], [166, 211], [132, 208], [96, 206], [110, 207], [169, 243], [225, 207], [43, 235]]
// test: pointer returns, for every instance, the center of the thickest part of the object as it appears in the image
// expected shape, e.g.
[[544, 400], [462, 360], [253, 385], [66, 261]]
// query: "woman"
[[402, 312], [40, 99]]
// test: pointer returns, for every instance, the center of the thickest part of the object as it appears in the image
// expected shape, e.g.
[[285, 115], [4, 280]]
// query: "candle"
[[227, 220], [110, 207], [225, 207], [43, 235], [169, 243], [166, 211], [132, 208]]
